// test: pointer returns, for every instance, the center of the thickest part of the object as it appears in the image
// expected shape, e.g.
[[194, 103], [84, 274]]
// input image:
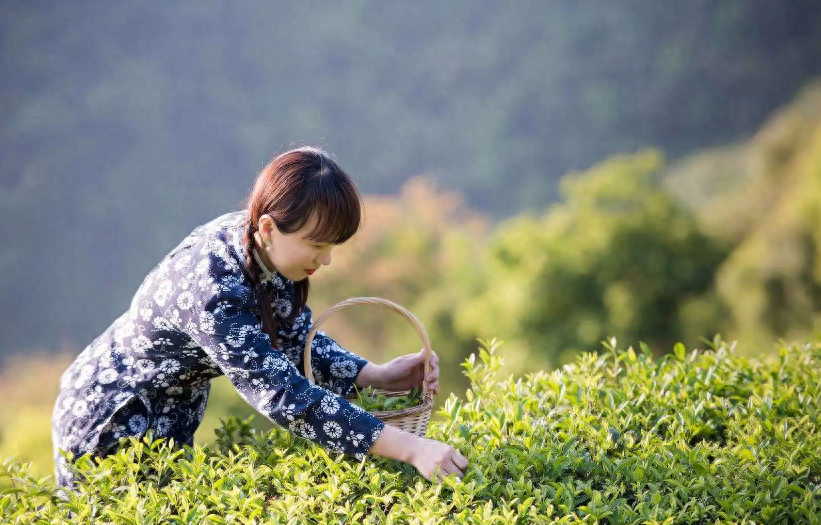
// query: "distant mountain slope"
[[124, 125], [764, 195], [495, 100]]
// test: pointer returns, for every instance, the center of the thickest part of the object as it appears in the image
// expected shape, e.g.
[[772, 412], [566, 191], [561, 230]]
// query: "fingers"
[[448, 468], [452, 468], [436, 461], [432, 379], [452, 464], [433, 386], [439, 474], [460, 461], [434, 359]]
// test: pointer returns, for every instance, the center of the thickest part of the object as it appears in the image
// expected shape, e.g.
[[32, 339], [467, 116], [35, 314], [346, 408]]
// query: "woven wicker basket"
[[412, 419]]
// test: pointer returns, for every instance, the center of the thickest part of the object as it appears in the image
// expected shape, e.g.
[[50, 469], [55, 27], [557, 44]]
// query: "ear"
[[266, 224]]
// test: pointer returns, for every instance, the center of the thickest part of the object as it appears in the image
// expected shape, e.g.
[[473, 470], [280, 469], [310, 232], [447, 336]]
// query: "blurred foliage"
[[28, 388], [125, 125], [767, 202], [618, 257]]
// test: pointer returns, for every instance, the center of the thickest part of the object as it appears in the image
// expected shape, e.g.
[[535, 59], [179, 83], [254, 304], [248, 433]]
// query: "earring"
[[267, 244]]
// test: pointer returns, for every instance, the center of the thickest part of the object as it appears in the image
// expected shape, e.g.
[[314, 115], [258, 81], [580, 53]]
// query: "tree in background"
[[620, 257], [768, 204]]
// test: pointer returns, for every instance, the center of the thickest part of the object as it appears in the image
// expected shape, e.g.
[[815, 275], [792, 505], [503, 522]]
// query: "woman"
[[230, 299]]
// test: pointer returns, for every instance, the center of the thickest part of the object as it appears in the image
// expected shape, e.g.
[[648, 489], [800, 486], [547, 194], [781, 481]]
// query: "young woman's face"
[[293, 254]]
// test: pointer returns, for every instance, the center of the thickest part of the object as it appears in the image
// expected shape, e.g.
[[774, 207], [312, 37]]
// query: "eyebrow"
[[308, 238]]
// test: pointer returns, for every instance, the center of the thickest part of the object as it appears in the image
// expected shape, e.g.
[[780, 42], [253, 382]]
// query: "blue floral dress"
[[195, 317]]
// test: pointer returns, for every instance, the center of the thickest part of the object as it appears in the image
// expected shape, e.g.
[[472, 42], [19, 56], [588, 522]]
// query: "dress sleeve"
[[222, 321], [334, 368]]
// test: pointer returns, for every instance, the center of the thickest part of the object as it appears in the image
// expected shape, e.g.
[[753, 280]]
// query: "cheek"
[[283, 253], [298, 254], [308, 256]]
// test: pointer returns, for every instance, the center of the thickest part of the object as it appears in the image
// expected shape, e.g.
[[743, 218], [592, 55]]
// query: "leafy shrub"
[[617, 437], [619, 256]]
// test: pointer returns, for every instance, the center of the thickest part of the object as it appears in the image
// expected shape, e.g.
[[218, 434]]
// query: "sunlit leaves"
[[616, 437]]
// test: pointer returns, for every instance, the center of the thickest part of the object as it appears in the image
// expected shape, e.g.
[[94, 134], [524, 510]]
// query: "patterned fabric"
[[195, 317]]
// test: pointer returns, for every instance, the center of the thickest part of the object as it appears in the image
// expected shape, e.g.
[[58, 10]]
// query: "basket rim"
[[420, 330]]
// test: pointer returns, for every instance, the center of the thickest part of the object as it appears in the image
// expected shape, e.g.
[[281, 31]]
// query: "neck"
[[261, 256]]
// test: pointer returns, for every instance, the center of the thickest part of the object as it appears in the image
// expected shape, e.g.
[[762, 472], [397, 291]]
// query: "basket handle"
[[420, 330]]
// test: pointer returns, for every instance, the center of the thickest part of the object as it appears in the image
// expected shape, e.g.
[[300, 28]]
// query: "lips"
[[310, 272]]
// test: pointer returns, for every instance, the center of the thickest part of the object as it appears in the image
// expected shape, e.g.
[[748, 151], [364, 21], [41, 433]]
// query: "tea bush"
[[618, 437]]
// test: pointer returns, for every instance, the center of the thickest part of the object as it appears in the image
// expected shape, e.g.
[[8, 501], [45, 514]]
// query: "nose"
[[324, 258]]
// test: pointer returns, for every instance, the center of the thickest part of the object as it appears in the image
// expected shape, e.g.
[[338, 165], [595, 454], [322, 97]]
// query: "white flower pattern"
[[141, 343], [330, 405], [146, 312], [207, 322], [333, 429], [161, 323], [107, 376], [303, 429], [145, 364], [192, 319], [275, 362], [170, 366], [137, 424], [346, 368], [163, 425], [185, 300]]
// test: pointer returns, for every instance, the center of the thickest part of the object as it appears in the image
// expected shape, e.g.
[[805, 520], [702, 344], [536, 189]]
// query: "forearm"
[[370, 375], [394, 443]]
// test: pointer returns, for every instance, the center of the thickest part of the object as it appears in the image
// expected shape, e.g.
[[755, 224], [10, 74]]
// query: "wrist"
[[394, 443], [411, 443]]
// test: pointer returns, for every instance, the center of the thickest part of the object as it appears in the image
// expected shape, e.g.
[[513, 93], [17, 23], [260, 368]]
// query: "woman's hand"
[[436, 460], [408, 371], [433, 459]]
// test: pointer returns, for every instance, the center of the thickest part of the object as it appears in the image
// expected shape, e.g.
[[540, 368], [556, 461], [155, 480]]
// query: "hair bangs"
[[338, 212]]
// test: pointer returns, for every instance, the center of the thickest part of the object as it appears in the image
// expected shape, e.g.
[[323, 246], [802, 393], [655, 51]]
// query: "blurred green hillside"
[[726, 241], [123, 125], [762, 198]]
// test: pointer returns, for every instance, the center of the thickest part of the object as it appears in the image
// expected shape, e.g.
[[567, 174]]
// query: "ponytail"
[[268, 321]]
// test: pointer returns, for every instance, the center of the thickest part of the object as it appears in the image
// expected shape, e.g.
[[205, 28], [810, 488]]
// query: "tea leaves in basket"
[[373, 400]]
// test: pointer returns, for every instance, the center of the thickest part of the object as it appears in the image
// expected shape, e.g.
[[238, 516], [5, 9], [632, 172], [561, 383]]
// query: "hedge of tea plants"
[[704, 436]]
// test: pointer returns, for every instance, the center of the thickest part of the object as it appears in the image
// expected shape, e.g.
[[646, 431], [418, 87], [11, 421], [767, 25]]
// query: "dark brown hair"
[[292, 187]]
